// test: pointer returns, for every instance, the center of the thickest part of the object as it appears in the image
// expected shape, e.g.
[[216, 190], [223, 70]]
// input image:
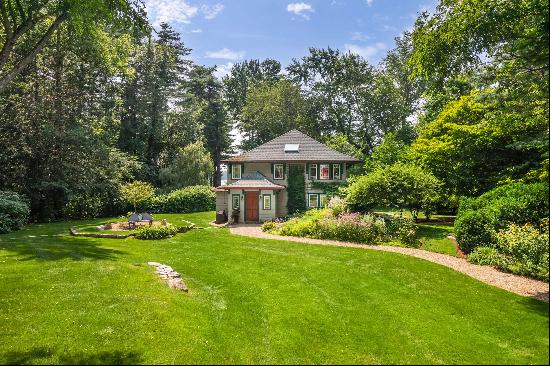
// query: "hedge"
[[479, 219], [188, 199]]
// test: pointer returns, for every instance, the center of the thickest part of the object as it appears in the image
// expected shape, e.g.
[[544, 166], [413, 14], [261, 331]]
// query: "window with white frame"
[[313, 171], [324, 170], [278, 171], [236, 202], [313, 200], [236, 171], [336, 171], [323, 200], [266, 202]]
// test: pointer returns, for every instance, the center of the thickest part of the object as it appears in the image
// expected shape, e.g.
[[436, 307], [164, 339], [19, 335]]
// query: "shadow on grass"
[[538, 303], [62, 247], [100, 358], [433, 232]]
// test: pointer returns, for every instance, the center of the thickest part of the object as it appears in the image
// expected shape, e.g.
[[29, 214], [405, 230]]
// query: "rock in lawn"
[[167, 273]]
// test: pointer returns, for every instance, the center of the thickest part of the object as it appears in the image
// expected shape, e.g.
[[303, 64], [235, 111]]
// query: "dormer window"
[[292, 148]]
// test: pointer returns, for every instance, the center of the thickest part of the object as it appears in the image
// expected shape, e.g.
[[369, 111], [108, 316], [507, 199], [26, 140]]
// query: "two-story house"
[[257, 179]]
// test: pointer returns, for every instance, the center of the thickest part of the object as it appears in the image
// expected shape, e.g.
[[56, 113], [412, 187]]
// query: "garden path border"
[[520, 285]]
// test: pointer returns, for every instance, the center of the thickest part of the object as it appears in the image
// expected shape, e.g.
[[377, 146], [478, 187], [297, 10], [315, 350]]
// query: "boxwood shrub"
[[14, 211], [188, 199], [479, 219], [155, 232]]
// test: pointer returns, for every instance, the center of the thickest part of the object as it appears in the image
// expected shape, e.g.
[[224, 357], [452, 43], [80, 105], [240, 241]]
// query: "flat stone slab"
[[167, 273]]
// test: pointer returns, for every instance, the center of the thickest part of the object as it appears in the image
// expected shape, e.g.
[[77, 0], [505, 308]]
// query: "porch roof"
[[255, 180]]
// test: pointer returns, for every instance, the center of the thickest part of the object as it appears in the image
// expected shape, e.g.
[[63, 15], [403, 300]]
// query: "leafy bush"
[[353, 227], [337, 205], [137, 193], [486, 256], [405, 186], [305, 225], [14, 211], [525, 249], [480, 218], [191, 166], [403, 229], [475, 228], [321, 224], [156, 232], [188, 199], [268, 226]]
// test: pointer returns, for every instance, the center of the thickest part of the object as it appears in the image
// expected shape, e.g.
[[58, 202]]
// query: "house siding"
[[279, 199], [221, 201]]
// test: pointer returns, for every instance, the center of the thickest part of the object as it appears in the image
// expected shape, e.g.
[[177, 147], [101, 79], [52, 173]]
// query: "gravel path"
[[517, 284]]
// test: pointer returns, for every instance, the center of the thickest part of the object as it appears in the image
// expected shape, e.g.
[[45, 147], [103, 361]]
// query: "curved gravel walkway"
[[517, 284]]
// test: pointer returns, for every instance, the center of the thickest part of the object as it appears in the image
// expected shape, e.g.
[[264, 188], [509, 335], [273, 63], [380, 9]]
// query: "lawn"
[[432, 235], [70, 299]]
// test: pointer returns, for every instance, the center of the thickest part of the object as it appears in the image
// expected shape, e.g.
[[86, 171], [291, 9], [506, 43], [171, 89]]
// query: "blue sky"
[[224, 32]]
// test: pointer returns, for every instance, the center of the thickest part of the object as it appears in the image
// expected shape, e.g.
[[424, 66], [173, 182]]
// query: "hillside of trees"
[[92, 96]]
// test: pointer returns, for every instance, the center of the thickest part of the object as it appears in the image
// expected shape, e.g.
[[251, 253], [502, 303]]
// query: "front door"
[[251, 203]]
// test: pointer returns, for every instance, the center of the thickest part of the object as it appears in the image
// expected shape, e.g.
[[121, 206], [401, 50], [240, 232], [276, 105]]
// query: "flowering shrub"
[[338, 205], [322, 224], [353, 227], [404, 230], [519, 249]]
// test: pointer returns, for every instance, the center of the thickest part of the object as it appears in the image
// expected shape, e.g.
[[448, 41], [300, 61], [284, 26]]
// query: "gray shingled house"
[[257, 179]]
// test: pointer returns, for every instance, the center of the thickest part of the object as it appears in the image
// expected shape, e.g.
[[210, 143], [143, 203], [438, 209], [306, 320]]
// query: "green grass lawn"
[[432, 236], [70, 299]]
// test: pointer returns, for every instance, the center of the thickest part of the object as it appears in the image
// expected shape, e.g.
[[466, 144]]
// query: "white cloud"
[[359, 36], [198, 30], [170, 11], [223, 70], [210, 12], [367, 52], [300, 9], [389, 28], [369, 2], [225, 54]]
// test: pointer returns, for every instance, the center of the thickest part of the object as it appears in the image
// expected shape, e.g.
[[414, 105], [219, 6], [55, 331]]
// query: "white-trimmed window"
[[266, 202], [324, 170], [235, 201], [236, 171], [278, 171], [313, 200], [323, 201], [313, 171], [336, 171]]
